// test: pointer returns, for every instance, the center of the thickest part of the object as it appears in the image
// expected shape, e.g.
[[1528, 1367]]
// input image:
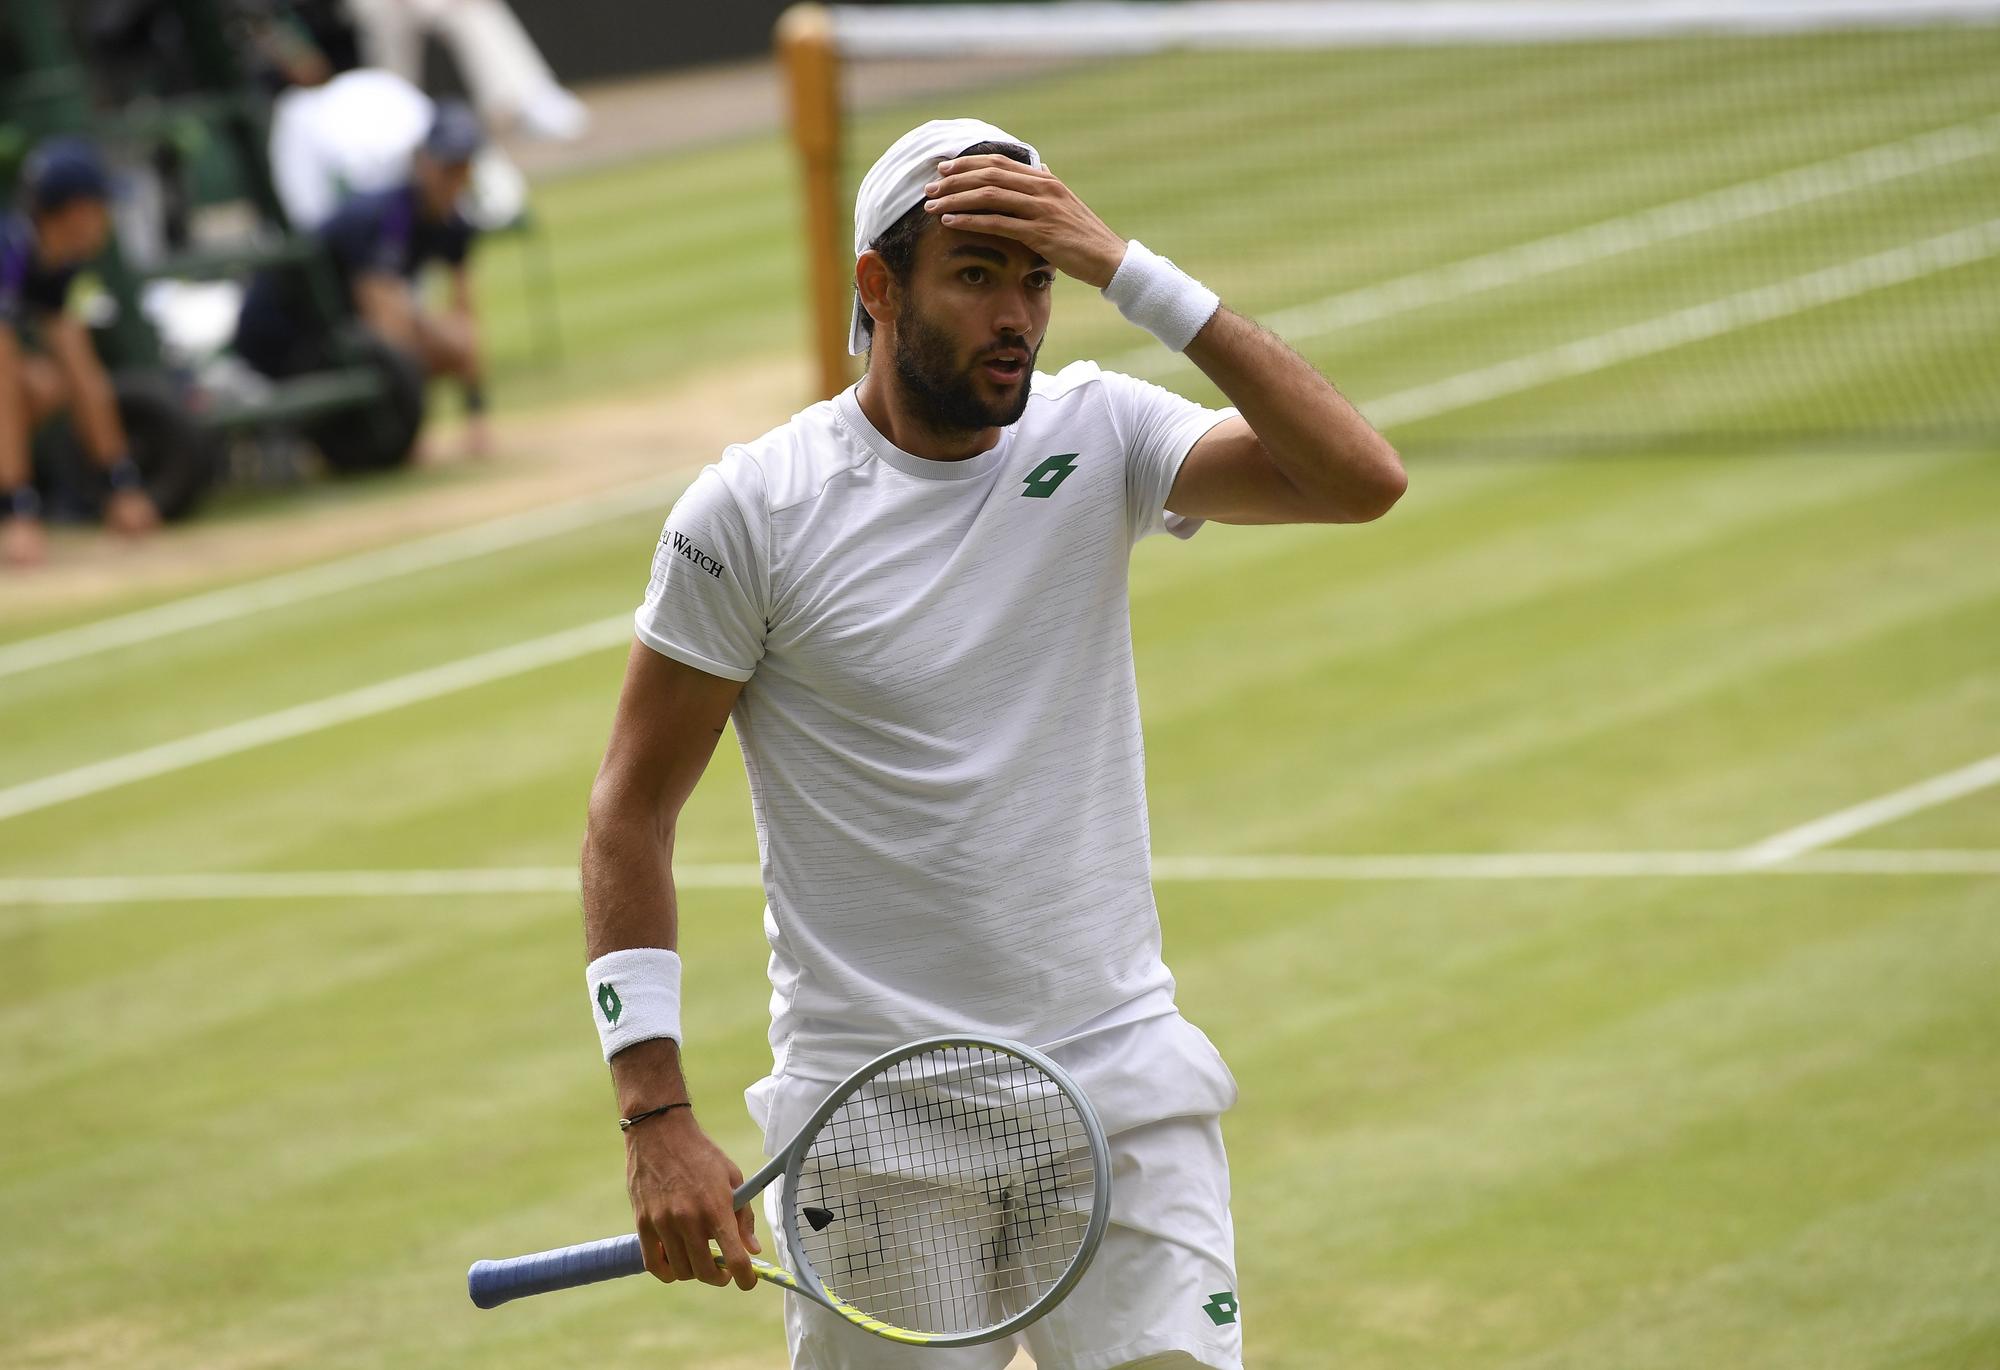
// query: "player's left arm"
[[1300, 453]]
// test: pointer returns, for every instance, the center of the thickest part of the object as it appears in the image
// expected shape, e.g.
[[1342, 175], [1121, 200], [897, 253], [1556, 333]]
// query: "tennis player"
[[912, 600]]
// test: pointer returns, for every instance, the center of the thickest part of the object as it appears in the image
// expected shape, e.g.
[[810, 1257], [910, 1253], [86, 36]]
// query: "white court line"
[[1763, 304], [311, 582], [1849, 822], [431, 683], [562, 880], [1703, 321], [1612, 237], [381, 884]]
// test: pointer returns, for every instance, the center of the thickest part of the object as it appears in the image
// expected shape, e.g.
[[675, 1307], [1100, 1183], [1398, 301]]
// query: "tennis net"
[[1538, 224]]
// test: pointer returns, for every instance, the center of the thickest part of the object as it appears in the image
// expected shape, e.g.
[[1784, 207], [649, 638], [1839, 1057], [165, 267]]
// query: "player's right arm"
[[669, 719], [387, 305]]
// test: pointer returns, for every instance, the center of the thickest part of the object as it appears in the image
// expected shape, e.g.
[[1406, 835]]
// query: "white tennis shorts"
[[1162, 1290]]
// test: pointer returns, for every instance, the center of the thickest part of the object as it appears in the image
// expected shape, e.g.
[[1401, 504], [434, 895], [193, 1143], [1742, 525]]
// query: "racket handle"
[[492, 1283]]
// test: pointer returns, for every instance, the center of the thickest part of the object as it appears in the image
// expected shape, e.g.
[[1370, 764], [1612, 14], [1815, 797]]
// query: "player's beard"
[[945, 395]]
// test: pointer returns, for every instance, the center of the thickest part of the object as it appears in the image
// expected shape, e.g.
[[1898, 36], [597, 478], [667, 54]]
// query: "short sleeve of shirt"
[[1158, 427], [707, 601], [363, 238], [28, 290], [353, 233]]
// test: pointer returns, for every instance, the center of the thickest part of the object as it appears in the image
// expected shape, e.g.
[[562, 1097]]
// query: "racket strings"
[[952, 1191]]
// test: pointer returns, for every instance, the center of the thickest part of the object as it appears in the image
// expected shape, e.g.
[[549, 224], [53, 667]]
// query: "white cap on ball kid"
[[895, 185]]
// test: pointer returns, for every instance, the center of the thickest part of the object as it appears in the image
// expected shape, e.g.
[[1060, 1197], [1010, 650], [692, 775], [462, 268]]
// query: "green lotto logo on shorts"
[[609, 1002], [1043, 480], [1221, 1308]]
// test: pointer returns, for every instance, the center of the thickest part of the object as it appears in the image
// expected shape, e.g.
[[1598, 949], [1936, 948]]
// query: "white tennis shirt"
[[940, 719]]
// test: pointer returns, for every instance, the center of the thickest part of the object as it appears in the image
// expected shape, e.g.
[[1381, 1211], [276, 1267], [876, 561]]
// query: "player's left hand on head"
[[998, 195]]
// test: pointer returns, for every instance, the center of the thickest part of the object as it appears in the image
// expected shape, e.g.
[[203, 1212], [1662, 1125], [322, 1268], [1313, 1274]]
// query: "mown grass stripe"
[[206, 887], [148, 763], [1703, 213], [1745, 309], [332, 577], [1877, 812]]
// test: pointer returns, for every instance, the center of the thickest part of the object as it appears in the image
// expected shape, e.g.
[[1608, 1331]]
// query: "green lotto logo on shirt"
[[1043, 480], [1221, 1308]]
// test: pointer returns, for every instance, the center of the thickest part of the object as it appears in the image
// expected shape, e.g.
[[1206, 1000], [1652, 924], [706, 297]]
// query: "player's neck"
[[885, 405]]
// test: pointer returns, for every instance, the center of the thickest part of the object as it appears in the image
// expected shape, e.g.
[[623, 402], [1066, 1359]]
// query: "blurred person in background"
[[353, 134], [47, 361], [379, 242], [356, 133], [509, 79]]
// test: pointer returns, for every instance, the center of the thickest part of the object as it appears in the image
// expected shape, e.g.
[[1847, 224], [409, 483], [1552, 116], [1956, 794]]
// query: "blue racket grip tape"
[[492, 1283]]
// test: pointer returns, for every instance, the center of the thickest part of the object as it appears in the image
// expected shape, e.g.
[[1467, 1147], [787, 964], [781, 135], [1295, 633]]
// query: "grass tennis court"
[[1562, 1122], [1627, 1119]]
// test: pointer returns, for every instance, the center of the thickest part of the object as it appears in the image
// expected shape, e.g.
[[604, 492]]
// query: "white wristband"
[[635, 996], [1161, 298]]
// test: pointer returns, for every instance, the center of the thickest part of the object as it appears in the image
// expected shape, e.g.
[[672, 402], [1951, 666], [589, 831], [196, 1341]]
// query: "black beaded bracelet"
[[625, 1124]]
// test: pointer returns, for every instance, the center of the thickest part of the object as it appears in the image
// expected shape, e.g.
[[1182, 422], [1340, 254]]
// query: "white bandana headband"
[[895, 185]]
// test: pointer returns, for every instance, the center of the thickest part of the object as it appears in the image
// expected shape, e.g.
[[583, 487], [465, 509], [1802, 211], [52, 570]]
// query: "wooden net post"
[[806, 52]]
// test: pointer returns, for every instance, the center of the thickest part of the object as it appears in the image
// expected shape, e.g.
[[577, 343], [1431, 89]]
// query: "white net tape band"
[[1107, 27]]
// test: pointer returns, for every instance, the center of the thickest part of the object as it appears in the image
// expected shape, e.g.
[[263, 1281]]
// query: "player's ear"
[[878, 287]]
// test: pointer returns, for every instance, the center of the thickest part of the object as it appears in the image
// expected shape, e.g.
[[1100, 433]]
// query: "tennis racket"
[[948, 1193]]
